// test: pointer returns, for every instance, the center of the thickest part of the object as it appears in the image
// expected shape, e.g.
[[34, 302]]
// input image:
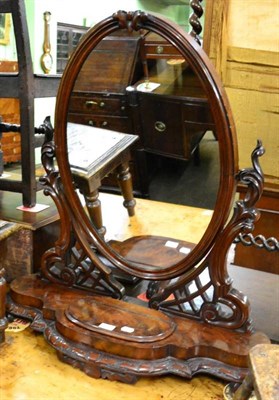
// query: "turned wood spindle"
[[194, 19]]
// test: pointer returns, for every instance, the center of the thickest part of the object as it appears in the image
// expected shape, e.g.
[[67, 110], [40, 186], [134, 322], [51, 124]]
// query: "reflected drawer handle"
[[103, 124], [102, 104], [160, 126], [159, 49], [91, 122], [90, 103]]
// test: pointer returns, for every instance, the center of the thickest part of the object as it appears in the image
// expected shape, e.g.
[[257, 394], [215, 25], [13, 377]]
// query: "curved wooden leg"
[[95, 211], [124, 178]]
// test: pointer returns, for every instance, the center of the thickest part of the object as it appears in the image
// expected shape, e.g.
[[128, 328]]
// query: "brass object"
[[160, 126], [46, 59], [159, 49], [90, 103]]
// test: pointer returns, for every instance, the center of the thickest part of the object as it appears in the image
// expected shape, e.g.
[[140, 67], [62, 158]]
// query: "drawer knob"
[[160, 126], [102, 104], [105, 123], [90, 103], [91, 122], [159, 49]]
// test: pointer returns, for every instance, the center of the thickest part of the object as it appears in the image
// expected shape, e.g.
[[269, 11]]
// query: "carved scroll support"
[[72, 262], [214, 300]]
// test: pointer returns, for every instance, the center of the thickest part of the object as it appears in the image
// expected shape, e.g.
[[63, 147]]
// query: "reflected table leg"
[[93, 205], [124, 178]]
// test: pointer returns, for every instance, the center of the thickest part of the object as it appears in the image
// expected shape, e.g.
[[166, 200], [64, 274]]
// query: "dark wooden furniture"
[[110, 152], [25, 86], [260, 249], [99, 96], [114, 100], [68, 37], [22, 251], [195, 321]]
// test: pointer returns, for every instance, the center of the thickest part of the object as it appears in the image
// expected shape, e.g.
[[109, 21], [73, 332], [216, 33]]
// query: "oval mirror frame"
[[222, 117]]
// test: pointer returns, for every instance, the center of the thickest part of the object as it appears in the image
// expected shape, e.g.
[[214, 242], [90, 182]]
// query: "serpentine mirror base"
[[119, 340]]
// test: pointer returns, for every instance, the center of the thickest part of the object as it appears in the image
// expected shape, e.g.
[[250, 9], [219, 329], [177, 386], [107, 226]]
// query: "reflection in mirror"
[[9, 141], [8, 52], [142, 112]]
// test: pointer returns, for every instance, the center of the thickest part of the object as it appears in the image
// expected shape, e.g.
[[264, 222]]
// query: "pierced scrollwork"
[[67, 262], [253, 178], [132, 21], [213, 299], [81, 272]]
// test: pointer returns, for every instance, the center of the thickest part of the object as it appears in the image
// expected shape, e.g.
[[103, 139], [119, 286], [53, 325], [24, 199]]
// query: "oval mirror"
[[140, 92]]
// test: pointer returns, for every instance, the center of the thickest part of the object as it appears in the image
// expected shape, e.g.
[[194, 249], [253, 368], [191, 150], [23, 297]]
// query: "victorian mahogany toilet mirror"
[[224, 130], [193, 320]]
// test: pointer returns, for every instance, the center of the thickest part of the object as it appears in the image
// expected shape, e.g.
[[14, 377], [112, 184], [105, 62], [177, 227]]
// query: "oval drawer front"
[[119, 319]]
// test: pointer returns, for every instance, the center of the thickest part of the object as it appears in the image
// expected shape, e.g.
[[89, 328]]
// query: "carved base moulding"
[[109, 338]]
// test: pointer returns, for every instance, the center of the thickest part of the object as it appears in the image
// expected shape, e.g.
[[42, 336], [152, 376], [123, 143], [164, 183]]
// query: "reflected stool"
[[93, 154]]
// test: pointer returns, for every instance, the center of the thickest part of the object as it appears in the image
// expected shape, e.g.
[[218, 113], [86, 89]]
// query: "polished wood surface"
[[103, 345]]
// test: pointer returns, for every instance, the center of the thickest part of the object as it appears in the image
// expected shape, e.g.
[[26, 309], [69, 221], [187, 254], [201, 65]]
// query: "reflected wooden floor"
[[30, 370], [153, 218]]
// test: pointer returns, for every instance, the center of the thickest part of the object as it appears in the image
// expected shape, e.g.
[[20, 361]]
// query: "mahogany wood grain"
[[165, 346]]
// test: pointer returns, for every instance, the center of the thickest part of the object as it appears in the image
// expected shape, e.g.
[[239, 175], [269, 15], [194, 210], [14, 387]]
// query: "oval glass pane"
[[142, 127], [173, 101]]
